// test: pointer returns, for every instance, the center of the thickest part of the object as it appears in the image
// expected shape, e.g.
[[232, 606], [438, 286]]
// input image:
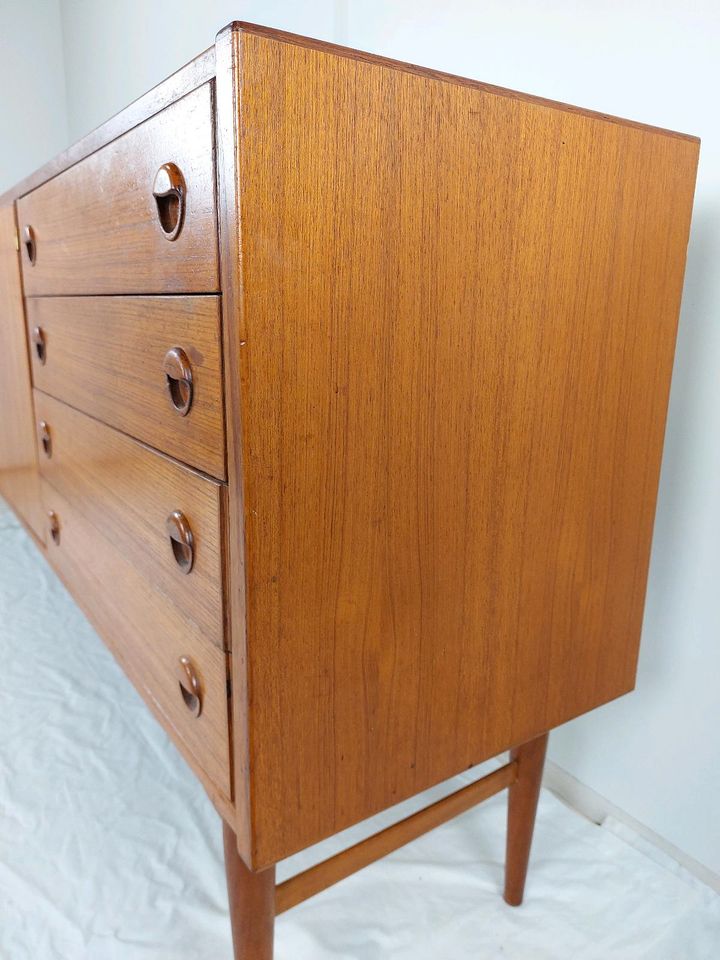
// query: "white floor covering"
[[109, 849]]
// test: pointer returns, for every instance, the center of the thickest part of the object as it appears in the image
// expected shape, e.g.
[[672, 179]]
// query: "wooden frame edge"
[[227, 106]]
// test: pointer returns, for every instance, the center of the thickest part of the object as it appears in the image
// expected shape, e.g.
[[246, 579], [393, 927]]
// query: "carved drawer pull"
[[190, 688], [179, 378], [28, 239], [54, 527], [169, 192], [39, 345], [45, 438], [181, 540]]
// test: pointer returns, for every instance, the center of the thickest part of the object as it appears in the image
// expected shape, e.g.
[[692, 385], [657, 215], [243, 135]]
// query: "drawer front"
[[148, 635], [108, 356], [133, 495], [97, 227], [19, 482]]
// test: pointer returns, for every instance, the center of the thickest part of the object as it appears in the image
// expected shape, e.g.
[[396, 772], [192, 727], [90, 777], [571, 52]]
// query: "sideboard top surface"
[[202, 68]]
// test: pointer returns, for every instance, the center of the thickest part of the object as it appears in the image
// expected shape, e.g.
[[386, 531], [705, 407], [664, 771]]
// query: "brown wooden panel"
[[96, 226], [228, 164], [148, 633], [105, 355], [128, 491], [458, 322], [18, 459]]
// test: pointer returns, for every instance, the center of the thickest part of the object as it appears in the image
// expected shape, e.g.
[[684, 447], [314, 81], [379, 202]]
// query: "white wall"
[[33, 119], [115, 51], [656, 753]]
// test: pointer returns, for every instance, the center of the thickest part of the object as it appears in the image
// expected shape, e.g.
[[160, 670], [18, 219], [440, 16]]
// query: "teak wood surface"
[[147, 632], [448, 317], [315, 879], [457, 316], [18, 457], [252, 904], [128, 491], [96, 224], [189, 77], [104, 355]]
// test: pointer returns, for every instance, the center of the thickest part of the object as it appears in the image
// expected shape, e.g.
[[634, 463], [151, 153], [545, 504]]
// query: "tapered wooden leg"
[[252, 904], [522, 806]]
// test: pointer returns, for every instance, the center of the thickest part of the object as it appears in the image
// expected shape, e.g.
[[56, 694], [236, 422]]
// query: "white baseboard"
[[596, 808]]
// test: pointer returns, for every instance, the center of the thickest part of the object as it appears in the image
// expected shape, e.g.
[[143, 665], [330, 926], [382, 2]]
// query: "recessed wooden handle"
[[39, 345], [179, 380], [54, 527], [169, 192], [45, 438], [181, 540], [190, 687], [28, 239]]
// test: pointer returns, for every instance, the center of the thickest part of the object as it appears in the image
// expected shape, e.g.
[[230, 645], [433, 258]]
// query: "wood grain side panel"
[[96, 225], [459, 320], [128, 491], [19, 482], [105, 355], [147, 632]]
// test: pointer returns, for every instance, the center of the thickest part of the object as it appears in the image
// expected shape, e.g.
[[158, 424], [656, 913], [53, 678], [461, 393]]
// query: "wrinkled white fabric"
[[109, 849]]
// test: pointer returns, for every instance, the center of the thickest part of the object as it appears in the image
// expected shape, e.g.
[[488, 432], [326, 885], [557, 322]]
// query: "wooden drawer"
[[128, 492], [18, 455], [96, 227], [106, 356], [147, 632]]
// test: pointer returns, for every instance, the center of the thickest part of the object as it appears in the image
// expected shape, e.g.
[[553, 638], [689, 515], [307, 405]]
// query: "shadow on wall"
[[688, 493]]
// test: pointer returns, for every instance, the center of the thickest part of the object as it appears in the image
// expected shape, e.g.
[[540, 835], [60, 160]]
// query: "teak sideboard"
[[334, 390]]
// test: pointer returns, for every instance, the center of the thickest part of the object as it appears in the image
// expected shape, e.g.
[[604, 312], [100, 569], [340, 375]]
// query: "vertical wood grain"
[[458, 316]]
